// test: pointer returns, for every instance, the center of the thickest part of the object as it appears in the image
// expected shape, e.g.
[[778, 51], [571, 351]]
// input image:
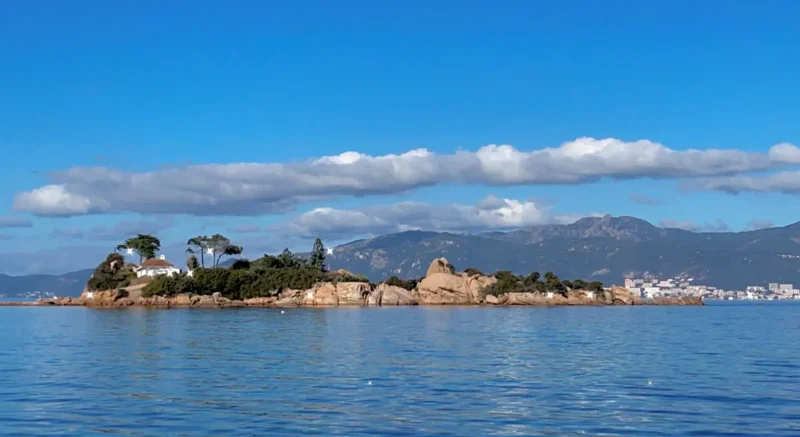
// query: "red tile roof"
[[156, 263]]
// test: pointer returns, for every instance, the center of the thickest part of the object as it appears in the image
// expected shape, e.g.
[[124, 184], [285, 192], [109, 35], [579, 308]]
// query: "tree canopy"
[[191, 262], [220, 246], [110, 274], [508, 282], [317, 259], [286, 260], [197, 246], [144, 245]]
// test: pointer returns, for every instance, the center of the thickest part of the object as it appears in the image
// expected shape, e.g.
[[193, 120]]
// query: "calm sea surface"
[[725, 369]]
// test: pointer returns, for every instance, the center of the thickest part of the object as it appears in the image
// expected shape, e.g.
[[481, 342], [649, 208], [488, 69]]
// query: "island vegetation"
[[243, 279], [269, 275], [288, 279]]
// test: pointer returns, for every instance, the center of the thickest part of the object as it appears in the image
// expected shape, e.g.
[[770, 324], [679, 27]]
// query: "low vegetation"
[[264, 277], [269, 275], [508, 282], [110, 274], [408, 284]]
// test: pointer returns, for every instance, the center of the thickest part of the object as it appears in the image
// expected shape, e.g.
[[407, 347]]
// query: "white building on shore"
[[156, 267]]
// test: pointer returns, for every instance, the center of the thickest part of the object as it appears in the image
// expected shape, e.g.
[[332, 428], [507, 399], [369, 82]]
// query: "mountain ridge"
[[599, 248], [603, 248]]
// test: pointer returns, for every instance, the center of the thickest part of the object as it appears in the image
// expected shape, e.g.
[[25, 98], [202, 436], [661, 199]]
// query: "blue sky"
[[148, 92]]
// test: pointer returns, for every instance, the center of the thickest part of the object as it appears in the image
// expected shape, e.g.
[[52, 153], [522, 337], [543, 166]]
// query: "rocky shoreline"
[[441, 286], [115, 300]]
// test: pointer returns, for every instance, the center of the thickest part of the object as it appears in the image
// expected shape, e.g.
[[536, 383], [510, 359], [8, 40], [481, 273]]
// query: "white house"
[[156, 267]]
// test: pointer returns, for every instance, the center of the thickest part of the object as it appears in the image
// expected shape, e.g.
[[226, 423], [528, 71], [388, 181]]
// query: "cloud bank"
[[644, 199], [690, 225], [787, 182], [492, 213], [259, 188], [756, 224], [118, 231], [10, 221]]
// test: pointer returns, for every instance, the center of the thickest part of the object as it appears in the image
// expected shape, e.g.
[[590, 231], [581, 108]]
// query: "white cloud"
[[12, 221], [492, 213], [118, 231], [785, 153], [782, 182], [128, 228], [644, 199], [686, 225], [56, 200], [689, 225], [258, 188], [75, 233], [756, 224]]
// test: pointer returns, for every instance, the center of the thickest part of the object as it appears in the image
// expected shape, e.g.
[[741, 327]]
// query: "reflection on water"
[[717, 370]]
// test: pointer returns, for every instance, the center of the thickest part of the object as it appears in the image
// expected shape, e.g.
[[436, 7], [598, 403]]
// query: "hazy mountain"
[[599, 248], [70, 284]]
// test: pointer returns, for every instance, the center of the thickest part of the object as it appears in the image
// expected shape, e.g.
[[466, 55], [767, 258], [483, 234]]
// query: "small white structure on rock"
[[156, 267]]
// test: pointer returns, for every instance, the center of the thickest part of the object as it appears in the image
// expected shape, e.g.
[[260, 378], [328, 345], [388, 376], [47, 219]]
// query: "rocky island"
[[440, 286], [288, 280]]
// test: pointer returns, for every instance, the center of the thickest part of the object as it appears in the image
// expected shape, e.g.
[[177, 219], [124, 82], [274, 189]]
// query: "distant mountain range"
[[598, 248], [69, 284], [605, 248]]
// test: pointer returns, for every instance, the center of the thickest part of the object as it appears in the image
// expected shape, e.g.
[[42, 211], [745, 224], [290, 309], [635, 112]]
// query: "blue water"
[[724, 369]]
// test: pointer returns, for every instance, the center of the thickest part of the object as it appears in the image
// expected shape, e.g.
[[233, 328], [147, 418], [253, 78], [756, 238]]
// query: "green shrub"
[[394, 281], [472, 271], [286, 260], [192, 263], [580, 284], [337, 278], [169, 286], [210, 281], [408, 284], [240, 264], [506, 283], [238, 284], [110, 274]]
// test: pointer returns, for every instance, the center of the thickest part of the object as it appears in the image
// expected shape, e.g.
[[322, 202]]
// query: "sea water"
[[723, 369]]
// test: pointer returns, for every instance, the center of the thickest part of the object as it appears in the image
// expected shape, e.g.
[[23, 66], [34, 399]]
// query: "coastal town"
[[686, 287]]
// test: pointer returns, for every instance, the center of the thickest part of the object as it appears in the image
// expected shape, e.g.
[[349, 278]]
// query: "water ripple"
[[651, 371]]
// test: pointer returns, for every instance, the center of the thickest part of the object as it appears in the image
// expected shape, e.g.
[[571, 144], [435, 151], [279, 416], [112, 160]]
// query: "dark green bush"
[[286, 260], [336, 278], [210, 281], [240, 264], [238, 284], [170, 286], [506, 283], [394, 281], [110, 274], [472, 271], [408, 284]]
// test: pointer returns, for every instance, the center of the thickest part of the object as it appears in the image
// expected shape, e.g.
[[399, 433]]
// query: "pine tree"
[[191, 263], [318, 255]]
